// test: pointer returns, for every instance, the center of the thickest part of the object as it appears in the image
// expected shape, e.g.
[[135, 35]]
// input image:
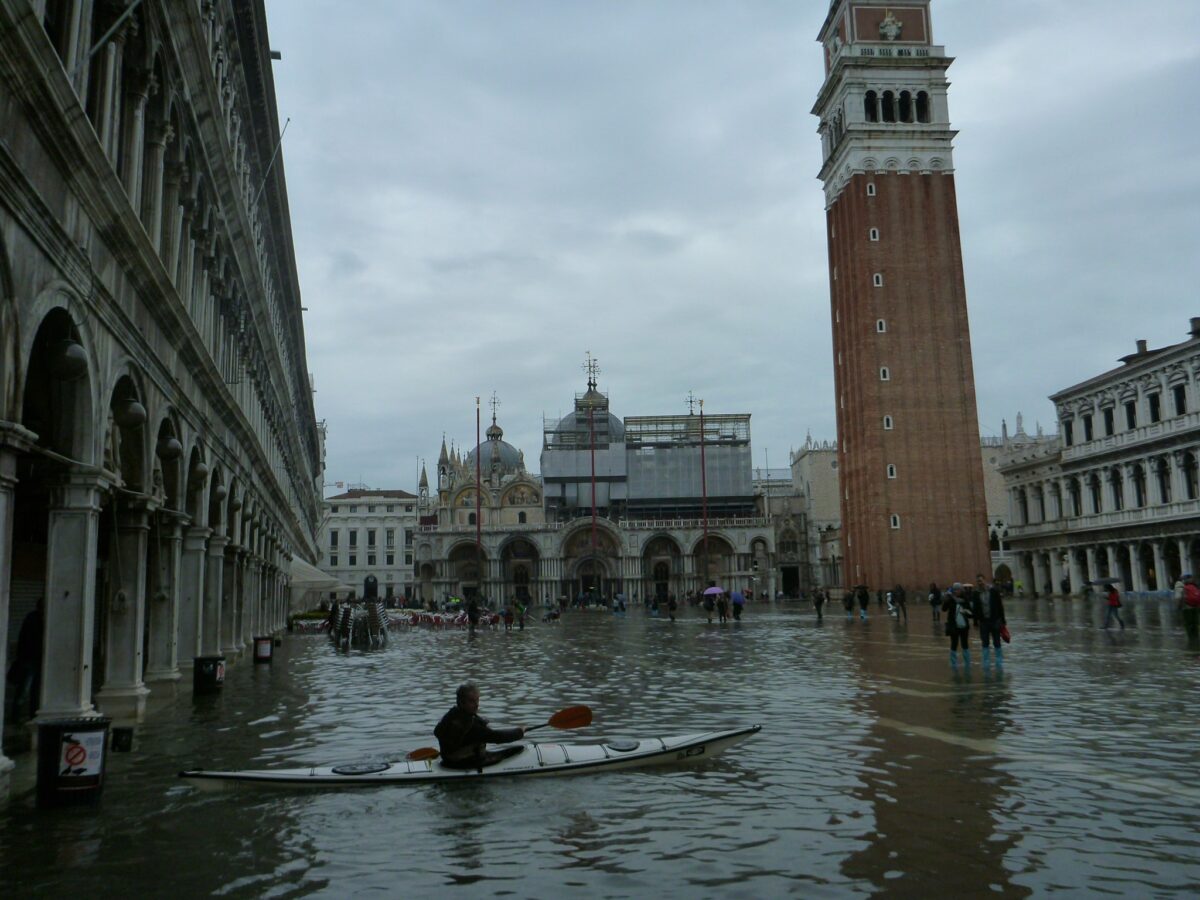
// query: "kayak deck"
[[535, 759]]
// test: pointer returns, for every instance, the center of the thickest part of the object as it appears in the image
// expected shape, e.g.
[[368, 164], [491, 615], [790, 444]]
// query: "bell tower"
[[910, 469]]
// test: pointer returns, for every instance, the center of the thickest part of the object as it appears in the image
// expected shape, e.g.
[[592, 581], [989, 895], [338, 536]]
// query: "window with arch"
[[1189, 476], [870, 189], [471, 519], [1179, 395], [1139, 486], [1162, 474], [906, 106], [520, 518], [873, 234], [889, 106], [885, 373], [891, 470], [871, 106], [923, 107], [888, 424], [877, 279], [895, 521], [1076, 496], [1118, 488], [1097, 494], [881, 326]]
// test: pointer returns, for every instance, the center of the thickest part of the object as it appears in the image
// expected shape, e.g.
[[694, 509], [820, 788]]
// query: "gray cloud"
[[481, 192]]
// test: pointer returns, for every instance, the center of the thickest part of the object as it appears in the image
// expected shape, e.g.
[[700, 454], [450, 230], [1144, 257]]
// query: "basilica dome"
[[496, 449], [574, 424]]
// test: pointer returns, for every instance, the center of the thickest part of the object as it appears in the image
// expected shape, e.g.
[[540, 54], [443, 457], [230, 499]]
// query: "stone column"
[[255, 601], [135, 138], [1128, 486], [1178, 477], [1162, 579], [245, 628], [1025, 572], [1185, 559], [210, 621], [191, 594], [1092, 572], [123, 694], [152, 199], [1113, 496], [162, 652], [229, 604], [1110, 559], [174, 177], [1076, 574], [106, 108], [1136, 569], [70, 597], [1053, 570], [13, 439]]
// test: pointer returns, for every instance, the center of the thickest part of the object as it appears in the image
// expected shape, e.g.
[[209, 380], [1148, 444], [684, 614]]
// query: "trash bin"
[[208, 674], [70, 762], [262, 649]]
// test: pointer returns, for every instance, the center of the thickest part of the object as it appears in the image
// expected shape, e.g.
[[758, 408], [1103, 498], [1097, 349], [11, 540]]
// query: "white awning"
[[307, 577]]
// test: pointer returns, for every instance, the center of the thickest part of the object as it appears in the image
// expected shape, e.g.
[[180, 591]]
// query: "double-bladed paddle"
[[571, 717]]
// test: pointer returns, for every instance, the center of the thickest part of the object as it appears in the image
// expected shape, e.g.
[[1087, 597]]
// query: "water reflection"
[[877, 769]]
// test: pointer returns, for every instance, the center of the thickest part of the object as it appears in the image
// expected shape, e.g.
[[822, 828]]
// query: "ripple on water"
[[1060, 774]]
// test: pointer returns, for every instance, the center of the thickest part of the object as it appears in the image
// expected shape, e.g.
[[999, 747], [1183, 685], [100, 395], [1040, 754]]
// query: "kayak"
[[530, 759]]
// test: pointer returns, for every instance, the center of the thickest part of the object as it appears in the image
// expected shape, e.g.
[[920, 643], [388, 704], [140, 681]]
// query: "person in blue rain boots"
[[987, 606], [957, 607]]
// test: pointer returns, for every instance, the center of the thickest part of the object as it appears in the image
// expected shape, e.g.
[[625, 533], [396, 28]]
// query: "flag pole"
[[703, 495], [478, 505]]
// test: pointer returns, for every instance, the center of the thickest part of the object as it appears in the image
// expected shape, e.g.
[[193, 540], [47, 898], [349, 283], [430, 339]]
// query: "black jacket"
[[997, 607], [463, 736], [948, 607]]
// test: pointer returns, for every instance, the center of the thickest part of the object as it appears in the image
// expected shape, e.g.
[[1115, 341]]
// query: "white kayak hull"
[[535, 759]]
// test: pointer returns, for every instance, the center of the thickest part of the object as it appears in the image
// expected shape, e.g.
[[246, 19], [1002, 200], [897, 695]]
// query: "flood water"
[[878, 770]]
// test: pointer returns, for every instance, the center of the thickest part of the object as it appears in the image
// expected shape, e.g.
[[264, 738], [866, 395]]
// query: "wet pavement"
[[879, 770]]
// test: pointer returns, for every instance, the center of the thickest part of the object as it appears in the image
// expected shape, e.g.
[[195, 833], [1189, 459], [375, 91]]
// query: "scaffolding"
[[673, 431]]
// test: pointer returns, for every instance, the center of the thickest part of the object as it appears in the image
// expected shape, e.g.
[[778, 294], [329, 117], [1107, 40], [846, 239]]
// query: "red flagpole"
[[478, 502], [592, 432], [703, 493]]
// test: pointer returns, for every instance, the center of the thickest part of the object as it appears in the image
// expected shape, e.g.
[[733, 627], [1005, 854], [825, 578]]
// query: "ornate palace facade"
[[1118, 496], [160, 461]]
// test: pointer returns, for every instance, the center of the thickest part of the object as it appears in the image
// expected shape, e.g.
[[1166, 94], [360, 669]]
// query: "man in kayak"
[[463, 736]]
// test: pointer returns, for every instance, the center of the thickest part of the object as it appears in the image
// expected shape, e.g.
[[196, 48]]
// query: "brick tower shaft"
[[911, 477]]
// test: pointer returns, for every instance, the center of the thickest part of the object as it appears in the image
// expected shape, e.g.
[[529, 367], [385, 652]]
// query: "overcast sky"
[[483, 191]]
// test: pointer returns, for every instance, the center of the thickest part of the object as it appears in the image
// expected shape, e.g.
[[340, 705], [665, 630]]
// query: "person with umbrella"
[[739, 601], [711, 593]]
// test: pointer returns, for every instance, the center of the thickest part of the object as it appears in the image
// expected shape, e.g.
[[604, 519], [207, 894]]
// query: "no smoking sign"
[[82, 754]]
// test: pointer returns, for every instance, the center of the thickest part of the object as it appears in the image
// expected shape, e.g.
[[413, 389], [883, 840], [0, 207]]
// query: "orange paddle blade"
[[572, 717], [423, 753]]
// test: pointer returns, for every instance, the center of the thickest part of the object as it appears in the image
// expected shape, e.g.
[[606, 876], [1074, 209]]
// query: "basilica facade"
[[647, 507]]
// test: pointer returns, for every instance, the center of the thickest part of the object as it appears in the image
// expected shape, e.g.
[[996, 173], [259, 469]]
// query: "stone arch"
[[234, 517], [57, 401], [169, 462], [10, 343], [520, 564], [125, 440], [662, 566], [194, 491], [463, 566], [719, 563], [218, 490]]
